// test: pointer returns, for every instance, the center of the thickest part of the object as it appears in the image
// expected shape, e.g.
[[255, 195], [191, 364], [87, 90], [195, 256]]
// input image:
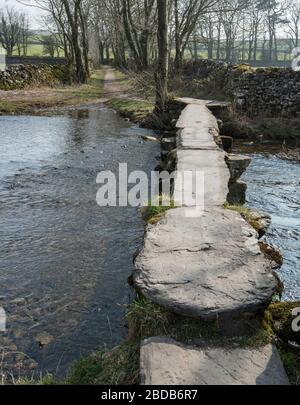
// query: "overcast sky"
[[32, 12]]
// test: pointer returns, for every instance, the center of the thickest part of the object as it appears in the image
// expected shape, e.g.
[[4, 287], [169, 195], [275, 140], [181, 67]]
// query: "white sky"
[[32, 12]]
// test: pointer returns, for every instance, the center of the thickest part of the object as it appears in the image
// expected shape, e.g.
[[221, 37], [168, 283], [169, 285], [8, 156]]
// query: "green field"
[[37, 50]]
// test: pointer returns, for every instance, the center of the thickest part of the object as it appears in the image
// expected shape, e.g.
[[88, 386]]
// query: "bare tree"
[[186, 15], [138, 20], [293, 25], [161, 75], [10, 29]]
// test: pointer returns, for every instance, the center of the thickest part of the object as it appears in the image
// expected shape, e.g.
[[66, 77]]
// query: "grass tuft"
[[147, 319], [154, 212], [119, 366], [247, 214]]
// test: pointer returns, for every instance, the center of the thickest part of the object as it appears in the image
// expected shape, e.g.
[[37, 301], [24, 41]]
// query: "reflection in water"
[[64, 261], [274, 186]]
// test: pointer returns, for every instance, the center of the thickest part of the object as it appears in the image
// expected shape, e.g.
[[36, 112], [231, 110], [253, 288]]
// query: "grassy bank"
[[31, 101], [146, 319], [134, 109], [120, 366]]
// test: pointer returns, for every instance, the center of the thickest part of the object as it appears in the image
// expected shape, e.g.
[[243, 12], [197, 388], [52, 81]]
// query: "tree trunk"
[[85, 42], [178, 57], [163, 57], [101, 52], [107, 53], [80, 73]]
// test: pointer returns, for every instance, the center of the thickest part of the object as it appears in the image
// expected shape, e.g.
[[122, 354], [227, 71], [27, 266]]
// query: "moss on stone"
[[282, 318], [28, 76], [290, 357], [271, 253], [156, 210], [243, 68], [247, 214]]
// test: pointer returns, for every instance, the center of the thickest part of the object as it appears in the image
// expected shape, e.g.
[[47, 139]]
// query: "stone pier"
[[207, 267]]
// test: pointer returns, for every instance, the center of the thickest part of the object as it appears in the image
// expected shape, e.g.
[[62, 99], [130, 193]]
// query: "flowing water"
[[64, 261], [274, 187]]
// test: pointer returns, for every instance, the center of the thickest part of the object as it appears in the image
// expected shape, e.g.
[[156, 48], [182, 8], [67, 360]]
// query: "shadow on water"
[[274, 187], [64, 261]]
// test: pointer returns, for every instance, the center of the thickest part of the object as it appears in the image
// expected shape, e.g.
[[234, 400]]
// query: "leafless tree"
[[12, 29], [293, 25], [161, 74]]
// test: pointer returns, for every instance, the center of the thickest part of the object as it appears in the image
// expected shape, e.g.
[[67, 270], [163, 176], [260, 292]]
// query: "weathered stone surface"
[[165, 362], [271, 90], [216, 174], [237, 193], [263, 221], [197, 116], [204, 267], [196, 138], [21, 76], [198, 152], [237, 164]]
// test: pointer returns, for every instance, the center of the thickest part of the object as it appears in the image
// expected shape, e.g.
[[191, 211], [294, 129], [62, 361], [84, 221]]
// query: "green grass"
[[9, 108], [291, 361], [52, 97], [47, 379], [119, 366], [280, 314], [246, 213], [86, 92], [156, 209], [37, 49], [147, 319], [135, 110]]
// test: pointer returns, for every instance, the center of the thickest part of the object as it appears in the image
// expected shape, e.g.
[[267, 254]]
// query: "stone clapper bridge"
[[208, 268]]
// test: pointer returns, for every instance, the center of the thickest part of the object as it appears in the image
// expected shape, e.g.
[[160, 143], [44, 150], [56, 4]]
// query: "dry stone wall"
[[24, 76], [269, 91]]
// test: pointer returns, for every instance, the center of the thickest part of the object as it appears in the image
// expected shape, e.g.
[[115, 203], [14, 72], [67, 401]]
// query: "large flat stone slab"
[[199, 116], [165, 362], [196, 138], [212, 165], [197, 151], [204, 267]]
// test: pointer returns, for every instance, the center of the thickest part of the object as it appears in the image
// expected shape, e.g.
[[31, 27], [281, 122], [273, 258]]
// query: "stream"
[[274, 187], [65, 261]]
